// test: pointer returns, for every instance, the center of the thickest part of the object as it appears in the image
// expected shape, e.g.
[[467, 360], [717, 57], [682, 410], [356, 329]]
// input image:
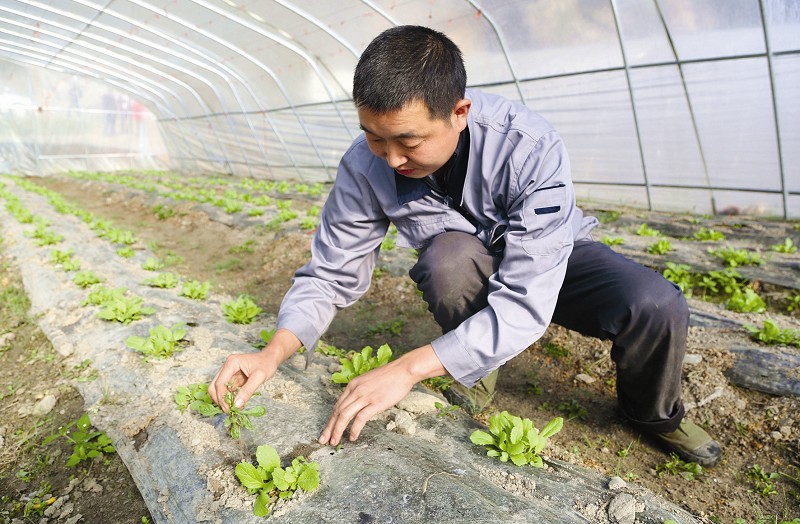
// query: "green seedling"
[[152, 264], [126, 252], [241, 311], [84, 279], [679, 275], [445, 410], [59, 257], [572, 409], [612, 241], [646, 231], [746, 302], [248, 246], [71, 265], [706, 235], [269, 482], [384, 327], [124, 309], [162, 343], [195, 397], [727, 281], [555, 351], [163, 212], [763, 483], [361, 363], [86, 444], [309, 223], [793, 302], [255, 212], [44, 237], [232, 206], [737, 257], [772, 335], [676, 466], [439, 383], [606, 217], [163, 280], [786, 247], [240, 418], [266, 335], [389, 243], [516, 439], [313, 211], [329, 350], [102, 294], [195, 289], [661, 247]]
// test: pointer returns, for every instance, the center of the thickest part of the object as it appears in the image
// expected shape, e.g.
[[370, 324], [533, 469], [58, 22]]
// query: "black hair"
[[408, 63]]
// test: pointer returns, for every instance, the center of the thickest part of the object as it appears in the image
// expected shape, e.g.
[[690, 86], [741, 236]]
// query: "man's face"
[[410, 140]]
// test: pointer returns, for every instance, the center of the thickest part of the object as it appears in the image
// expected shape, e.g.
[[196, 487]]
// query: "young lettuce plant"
[[163, 280], [746, 302], [125, 310], [58, 256], [195, 289], [516, 439], [162, 343], [241, 311], [773, 335], [86, 444], [195, 397], [269, 481], [84, 279], [152, 264], [361, 363], [240, 418], [102, 294]]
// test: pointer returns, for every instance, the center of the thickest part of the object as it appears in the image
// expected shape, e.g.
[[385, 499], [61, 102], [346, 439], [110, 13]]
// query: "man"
[[482, 187]]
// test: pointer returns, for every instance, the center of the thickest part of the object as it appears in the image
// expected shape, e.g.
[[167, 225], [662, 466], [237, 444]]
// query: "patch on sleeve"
[[547, 210]]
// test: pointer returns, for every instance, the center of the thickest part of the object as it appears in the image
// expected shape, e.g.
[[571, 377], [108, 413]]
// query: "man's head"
[[409, 91], [409, 63]]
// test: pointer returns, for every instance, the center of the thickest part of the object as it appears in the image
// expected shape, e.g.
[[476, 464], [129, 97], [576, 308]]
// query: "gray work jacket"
[[518, 175]]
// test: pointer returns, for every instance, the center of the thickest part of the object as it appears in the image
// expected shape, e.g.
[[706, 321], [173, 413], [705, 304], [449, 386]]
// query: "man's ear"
[[460, 112]]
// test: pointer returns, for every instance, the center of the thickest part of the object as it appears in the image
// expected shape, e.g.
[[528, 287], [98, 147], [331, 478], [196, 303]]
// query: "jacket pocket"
[[543, 215]]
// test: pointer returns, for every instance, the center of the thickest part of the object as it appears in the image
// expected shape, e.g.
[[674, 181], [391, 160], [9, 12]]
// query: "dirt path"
[[562, 375]]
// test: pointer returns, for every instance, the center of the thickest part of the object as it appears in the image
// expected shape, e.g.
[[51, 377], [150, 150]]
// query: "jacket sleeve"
[[523, 293], [344, 251]]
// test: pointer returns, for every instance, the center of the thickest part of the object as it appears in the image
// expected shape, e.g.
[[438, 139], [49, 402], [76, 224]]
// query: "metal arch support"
[[502, 42], [384, 14], [283, 42], [121, 58], [111, 70], [254, 60], [633, 102], [689, 105], [164, 105], [314, 20], [768, 48], [198, 63]]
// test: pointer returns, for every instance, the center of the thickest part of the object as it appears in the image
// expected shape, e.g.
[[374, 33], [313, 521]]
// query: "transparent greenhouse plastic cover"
[[667, 104]]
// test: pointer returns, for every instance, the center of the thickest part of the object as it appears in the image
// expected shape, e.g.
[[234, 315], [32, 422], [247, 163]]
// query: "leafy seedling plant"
[[516, 439], [162, 343], [646, 231], [786, 247], [84, 279], [126, 252], [763, 483], [152, 264], [58, 256], [361, 363], [195, 289], [101, 294], [119, 308], [241, 311], [676, 466], [773, 335], [86, 444], [443, 410], [708, 235], [746, 302], [612, 241], [270, 482], [661, 247], [163, 280], [195, 397], [737, 257]]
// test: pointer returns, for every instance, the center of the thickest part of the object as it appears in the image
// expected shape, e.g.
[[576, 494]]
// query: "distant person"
[[481, 186], [75, 94]]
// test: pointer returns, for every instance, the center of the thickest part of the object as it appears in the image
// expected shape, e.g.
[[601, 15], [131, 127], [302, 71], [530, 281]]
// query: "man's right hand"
[[245, 372]]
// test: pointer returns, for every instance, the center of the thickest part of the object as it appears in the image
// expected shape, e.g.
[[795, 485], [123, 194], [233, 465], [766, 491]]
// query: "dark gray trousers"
[[604, 295]]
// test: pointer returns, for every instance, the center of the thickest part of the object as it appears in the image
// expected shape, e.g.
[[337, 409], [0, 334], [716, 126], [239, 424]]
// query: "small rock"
[[776, 435], [692, 359], [616, 483], [741, 404], [583, 377], [418, 403], [7, 338], [403, 424], [786, 431], [622, 509], [44, 406], [334, 367], [605, 450], [74, 520]]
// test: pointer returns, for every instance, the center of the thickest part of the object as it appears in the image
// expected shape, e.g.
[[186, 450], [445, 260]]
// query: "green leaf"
[[519, 459], [516, 432], [308, 479], [481, 438], [261, 506], [267, 458], [552, 427], [279, 478], [248, 476]]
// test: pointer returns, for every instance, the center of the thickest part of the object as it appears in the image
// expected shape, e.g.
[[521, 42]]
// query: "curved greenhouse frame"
[[664, 104]]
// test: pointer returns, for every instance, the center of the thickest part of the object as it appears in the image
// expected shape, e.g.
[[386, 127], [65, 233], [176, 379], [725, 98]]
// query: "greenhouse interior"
[[202, 137]]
